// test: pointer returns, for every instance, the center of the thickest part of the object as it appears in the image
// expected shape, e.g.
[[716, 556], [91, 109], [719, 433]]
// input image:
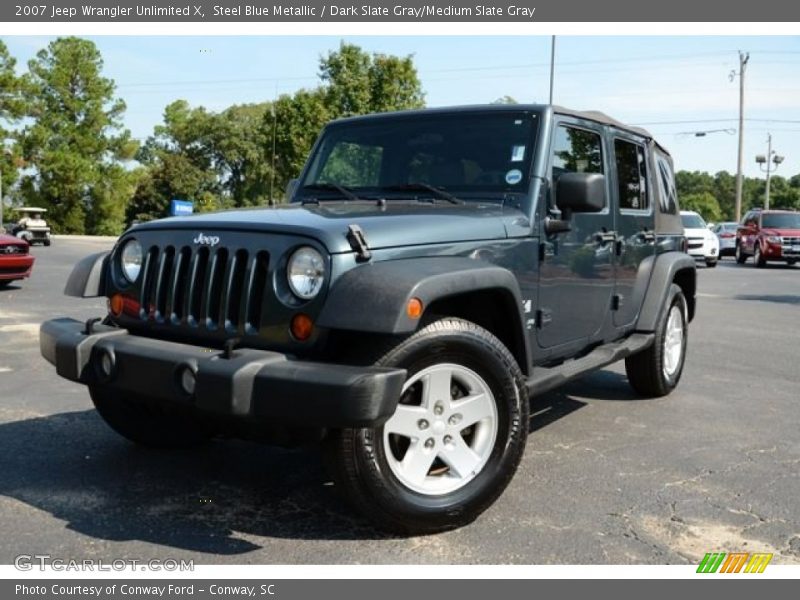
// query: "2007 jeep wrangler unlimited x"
[[432, 271]]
